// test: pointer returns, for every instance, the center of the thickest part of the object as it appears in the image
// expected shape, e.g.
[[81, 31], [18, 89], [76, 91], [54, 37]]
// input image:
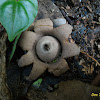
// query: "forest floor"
[[83, 76]]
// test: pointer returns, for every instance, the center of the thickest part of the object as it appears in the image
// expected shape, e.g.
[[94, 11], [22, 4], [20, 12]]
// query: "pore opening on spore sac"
[[46, 47]]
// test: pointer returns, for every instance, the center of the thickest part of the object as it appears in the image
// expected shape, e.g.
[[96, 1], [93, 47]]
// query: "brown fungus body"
[[47, 44]]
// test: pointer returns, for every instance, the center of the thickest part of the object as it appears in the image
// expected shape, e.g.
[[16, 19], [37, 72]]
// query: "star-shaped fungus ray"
[[43, 26], [37, 70], [26, 59], [59, 67], [70, 49], [28, 39], [62, 33]]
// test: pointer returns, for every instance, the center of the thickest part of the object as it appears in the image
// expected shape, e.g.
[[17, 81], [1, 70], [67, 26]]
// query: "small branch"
[[62, 9]]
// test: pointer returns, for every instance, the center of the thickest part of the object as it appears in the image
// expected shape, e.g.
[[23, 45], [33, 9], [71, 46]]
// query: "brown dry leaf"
[[88, 69]]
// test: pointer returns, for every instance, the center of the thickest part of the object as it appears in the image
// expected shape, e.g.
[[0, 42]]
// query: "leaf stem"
[[14, 47]]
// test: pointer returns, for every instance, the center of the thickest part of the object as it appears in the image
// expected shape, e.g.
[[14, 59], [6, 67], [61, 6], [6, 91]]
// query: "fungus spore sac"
[[48, 48]]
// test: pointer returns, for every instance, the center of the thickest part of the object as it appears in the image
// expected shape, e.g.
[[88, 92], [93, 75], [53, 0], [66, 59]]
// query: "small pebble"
[[98, 46], [59, 21], [50, 88], [99, 19], [56, 86]]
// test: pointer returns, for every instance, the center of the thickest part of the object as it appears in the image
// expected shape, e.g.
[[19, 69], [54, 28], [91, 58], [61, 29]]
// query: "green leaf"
[[17, 15], [37, 83]]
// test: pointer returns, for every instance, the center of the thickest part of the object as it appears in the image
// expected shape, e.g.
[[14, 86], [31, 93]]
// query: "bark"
[[4, 90]]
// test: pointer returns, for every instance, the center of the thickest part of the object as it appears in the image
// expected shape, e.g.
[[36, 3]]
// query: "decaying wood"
[[4, 90]]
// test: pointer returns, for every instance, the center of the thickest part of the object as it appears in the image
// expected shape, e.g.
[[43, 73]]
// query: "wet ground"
[[84, 16]]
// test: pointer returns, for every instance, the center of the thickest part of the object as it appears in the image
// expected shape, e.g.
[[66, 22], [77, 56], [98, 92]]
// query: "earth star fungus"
[[47, 48]]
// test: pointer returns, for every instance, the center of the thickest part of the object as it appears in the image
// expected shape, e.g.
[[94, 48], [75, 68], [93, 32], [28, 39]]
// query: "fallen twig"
[[91, 57], [65, 15]]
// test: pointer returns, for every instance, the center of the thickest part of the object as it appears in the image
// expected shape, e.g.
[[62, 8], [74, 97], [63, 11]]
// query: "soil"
[[74, 90], [67, 90], [84, 16]]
